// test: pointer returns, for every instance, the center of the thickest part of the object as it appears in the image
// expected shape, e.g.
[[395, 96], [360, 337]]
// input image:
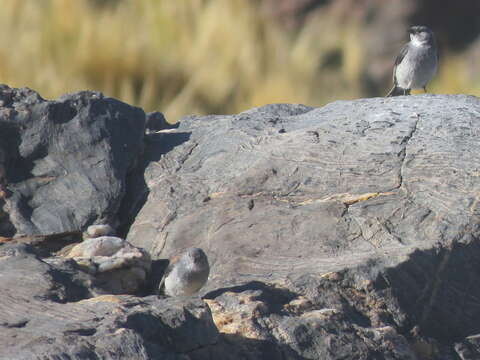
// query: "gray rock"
[[366, 209], [344, 232], [99, 246], [66, 161], [98, 230], [118, 267]]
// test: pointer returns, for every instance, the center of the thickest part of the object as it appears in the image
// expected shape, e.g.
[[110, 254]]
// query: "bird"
[[417, 62], [185, 274]]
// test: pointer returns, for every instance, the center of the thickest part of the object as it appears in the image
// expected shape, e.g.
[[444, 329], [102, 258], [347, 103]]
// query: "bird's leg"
[[425, 88]]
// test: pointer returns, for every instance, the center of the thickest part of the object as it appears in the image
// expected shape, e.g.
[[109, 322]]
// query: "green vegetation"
[[184, 56]]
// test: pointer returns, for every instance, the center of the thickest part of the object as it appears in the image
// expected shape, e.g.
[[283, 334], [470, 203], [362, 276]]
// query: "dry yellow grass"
[[184, 56]]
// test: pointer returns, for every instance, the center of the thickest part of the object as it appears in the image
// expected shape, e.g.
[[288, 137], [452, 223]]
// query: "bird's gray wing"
[[398, 60]]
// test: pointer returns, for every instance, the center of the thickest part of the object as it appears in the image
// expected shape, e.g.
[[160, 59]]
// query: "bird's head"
[[197, 256], [421, 35]]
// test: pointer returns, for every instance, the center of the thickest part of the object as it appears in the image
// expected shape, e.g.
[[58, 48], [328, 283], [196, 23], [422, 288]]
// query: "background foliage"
[[191, 56]]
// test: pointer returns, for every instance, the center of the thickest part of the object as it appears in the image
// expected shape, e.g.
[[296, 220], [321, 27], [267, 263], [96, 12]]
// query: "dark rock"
[[469, 349], [156, 121], [364, 214], [65, 162], [44, 317]]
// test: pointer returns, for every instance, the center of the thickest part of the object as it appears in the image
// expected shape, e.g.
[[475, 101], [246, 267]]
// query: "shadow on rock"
[[10, 141], [155, 276], [186, 324], [159, 144], [438, 290], [137, 191], [275, 297], [232, 346]]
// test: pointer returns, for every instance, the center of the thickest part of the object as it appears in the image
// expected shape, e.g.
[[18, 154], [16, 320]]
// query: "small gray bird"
[[417, 62], [186, 273]]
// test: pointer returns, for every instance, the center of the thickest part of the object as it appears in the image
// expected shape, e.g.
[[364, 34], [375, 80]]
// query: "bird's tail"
[[398, 91]]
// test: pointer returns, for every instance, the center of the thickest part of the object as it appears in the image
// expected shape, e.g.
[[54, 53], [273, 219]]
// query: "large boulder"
[[353, 224], [343, 232], [64, 163]]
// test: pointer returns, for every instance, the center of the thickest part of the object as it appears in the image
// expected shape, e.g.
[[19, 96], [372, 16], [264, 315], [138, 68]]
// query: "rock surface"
[[64, 162], [118, 267], [45, 314], [365, 212], [94, 231], [470, 348], [344, 232]]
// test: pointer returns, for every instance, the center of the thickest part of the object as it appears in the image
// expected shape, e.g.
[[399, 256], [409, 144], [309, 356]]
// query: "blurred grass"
[[184, 56]]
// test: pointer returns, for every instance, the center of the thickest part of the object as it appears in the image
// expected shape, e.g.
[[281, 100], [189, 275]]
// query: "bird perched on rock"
[[186, 273], [417, 62]]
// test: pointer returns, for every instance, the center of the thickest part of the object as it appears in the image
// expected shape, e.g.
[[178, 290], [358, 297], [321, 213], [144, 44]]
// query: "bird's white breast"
[[182, 283], [417, 67]]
